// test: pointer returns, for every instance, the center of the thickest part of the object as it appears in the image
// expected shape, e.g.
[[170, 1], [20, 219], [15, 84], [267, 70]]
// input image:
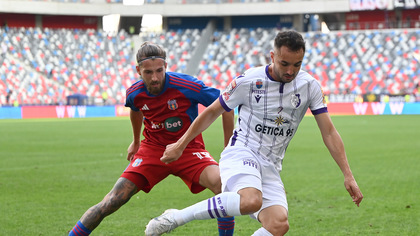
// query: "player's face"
[[286, 64], [152, 72]]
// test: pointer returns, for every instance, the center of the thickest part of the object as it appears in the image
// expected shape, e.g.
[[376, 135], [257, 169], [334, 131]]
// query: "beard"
[[286, 78], [154, 88]]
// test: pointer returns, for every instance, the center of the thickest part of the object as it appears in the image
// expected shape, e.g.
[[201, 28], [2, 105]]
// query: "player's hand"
[[353, 190], [172, 153], [132, 150]]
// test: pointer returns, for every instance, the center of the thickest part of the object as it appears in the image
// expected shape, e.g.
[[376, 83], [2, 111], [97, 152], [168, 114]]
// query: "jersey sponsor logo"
[[145, 108], [250, 162], [280, 120], [226, 95], [229, 90], [172, 104], [295, 100], [156, 125], [257, 98], [276, 131], [137, 162], [259, 91], [173, 124]]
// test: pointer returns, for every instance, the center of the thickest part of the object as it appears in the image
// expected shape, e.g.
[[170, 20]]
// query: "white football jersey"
[[270, 111]]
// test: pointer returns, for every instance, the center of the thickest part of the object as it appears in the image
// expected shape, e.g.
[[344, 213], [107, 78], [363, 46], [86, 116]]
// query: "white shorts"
[[241, 168]]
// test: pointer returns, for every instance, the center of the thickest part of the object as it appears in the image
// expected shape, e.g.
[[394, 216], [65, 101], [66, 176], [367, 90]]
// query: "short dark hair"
[[291, 39], [149, 49]]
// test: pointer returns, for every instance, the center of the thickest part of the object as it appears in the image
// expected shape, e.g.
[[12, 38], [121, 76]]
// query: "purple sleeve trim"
[[222, 102], [319, 111]]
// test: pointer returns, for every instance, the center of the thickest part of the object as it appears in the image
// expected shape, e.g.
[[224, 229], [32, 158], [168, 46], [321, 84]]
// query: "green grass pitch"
[[53, 170]]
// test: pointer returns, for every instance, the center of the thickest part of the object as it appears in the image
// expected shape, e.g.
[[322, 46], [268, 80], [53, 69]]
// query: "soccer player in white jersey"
[[271, 101]]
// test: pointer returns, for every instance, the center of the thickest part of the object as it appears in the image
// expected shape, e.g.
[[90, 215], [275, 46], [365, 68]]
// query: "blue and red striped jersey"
[[168, 115]]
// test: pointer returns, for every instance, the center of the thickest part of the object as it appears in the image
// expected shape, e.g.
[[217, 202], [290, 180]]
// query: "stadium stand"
[[232, 53], [226, 1], [145, 1], [362, 62], [179, 44], [41, 63], [74, 61], [45, 66], [66, 1], [357, 62]]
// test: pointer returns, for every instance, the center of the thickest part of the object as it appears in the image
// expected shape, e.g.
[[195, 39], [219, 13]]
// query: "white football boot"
[[164, 223]]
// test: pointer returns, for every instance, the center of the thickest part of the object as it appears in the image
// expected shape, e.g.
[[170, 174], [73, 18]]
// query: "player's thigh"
[[239, 169], [146, 170], [190, 166], [210, 178]]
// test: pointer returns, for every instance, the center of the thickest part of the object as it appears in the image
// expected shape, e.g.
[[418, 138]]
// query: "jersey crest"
[[296, 100], [172, 104], [259, 84], [137, 162]]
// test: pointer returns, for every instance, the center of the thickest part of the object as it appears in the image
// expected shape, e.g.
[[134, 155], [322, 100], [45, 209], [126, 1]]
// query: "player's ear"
[[272, 56], [138, 69]]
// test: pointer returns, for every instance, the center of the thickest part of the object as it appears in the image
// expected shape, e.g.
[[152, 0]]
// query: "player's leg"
[[143, 172], [122, 191], [198, 170], [221, 205], [240, 175], [273, 214], [274, 220], [210, 178], [246, 201], [241, 181]]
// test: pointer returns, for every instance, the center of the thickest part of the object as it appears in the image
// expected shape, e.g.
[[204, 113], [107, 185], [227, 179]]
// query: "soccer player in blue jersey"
[[272, 101], [165, 104]]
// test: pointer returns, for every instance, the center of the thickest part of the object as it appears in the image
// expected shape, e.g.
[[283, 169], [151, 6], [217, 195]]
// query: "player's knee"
[[250, 203], [281, 226], [216, 186], [276, 225], [210, 178], [213, 184], [277, 228]]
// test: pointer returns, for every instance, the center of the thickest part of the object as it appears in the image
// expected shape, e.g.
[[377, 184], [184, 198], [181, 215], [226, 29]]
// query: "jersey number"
[[202, 155]]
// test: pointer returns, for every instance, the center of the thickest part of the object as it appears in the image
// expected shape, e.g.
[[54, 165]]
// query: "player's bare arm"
[[136, 118], [228, 119], [201, 123], [335, 145]]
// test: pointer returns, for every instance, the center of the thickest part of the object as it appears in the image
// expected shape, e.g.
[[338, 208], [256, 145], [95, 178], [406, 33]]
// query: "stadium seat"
[[45, 65]]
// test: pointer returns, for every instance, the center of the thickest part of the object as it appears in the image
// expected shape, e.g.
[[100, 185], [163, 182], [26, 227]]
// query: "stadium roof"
[[173, 10]]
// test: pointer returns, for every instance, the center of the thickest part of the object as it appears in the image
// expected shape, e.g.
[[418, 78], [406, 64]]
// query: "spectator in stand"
[[9, 94]]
